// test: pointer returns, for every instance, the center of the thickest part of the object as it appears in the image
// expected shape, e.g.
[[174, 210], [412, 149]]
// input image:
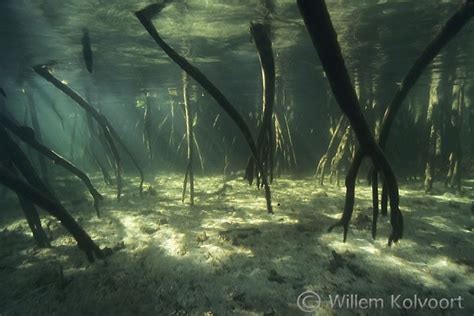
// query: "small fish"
[[87, 49], [2, 92]]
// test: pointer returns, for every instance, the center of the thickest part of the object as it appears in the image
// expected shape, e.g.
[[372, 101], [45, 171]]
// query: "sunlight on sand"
[[226, 251]]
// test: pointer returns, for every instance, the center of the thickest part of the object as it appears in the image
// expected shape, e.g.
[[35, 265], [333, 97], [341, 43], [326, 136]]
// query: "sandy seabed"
[[226, 255]]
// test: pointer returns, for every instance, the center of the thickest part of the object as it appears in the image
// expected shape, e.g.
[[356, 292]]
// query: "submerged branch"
[[27, 136], [216, 94]]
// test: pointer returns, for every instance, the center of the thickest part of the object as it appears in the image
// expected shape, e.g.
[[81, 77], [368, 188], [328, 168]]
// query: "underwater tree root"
[[37, 192], [8, 152], [37, 128], [92, 149], [342, 150], [452, 27], [27, 136], [330, 151], [144, 16], [324, 38], [189, 141], [265, 137], [109, 132], [84, 242], [449, 30], [147, 122], [34, 222]]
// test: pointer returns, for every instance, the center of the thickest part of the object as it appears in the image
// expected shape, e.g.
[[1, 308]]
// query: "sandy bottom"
[[226, 255]]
